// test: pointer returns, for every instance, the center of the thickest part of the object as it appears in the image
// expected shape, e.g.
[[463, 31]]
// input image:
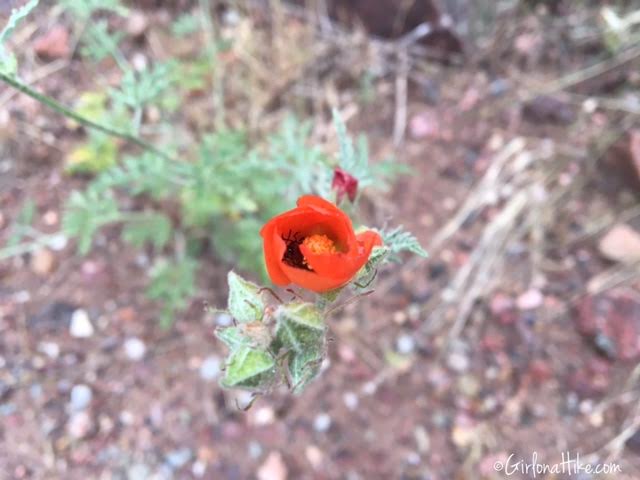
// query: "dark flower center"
[[292, 254]]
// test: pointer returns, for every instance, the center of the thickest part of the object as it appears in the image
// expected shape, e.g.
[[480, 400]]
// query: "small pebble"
[[405, 344], [80, 397], [50, 349], [223, 320], [350, 400], [458, 362], [255, 449], [322, 423], [198, 469], [42, 262], [264, 416], [80, 424], [178, 458], [139, 471], [210, 368], [135, 349], [314, 456], [81, 326], [273, 468], [530, 300], [58, 242]]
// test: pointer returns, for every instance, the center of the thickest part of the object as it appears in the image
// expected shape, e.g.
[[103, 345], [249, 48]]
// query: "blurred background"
[[503, 134]]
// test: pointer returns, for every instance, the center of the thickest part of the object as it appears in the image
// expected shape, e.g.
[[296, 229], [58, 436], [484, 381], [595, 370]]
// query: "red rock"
[[494, 342], [54, 44], [424, 125], [614, 315], [540, 371], [502, 308]]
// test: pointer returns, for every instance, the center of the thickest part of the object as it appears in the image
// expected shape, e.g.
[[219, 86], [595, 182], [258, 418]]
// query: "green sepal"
[[300, 327], [249, 368], [245, 302], [232, 337], [303, 368]]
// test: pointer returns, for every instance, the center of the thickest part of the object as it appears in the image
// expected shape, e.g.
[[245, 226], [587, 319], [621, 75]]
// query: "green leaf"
[[399, 240], [100, 43], [8, 62], [232, 337], [94, 156], [139, 89], [172, 284], [249, 368], [17, 15], [245, 302], [304, 367], [83, 9], [185, 24], [85, 213], [300, 327], [154, 228]]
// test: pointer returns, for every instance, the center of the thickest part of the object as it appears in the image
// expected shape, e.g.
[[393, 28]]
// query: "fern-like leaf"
[[154, 228], [85, 213], [399, 240]]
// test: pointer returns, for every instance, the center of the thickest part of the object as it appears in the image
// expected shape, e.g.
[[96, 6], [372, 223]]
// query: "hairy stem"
[[67, 112]]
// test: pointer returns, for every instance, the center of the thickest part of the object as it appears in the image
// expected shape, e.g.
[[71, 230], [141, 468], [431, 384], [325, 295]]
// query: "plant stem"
[[67, 112]]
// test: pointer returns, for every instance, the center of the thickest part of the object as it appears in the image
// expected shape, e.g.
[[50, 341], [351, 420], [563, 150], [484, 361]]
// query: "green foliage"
[[100, 43], [137, 90], [245, 300], [267, 343], [185, 25], [84, 9], [22, 223], [172, 284], [249, 368], [399, 240], [224, 195], [144, 174], [354, 159], [8, 62], [143, 228], [97, 154], [86, 213]]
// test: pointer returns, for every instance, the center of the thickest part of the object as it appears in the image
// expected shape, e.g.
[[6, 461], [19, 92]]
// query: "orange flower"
[[314, 246]]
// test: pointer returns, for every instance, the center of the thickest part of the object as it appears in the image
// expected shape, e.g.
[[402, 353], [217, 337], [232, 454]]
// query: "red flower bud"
[[344, 184]]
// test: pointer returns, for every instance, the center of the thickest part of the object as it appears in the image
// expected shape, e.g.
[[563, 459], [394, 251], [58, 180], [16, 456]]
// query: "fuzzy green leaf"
[[249, 368], [232, 337], [304, 367], [399, 240], [300, 327], [245, 302]]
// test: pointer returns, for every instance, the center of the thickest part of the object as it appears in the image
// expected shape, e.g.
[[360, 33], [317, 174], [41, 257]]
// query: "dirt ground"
[[545, 362]]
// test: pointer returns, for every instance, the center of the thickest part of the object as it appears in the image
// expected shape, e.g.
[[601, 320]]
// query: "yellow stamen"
[[320, 244]]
